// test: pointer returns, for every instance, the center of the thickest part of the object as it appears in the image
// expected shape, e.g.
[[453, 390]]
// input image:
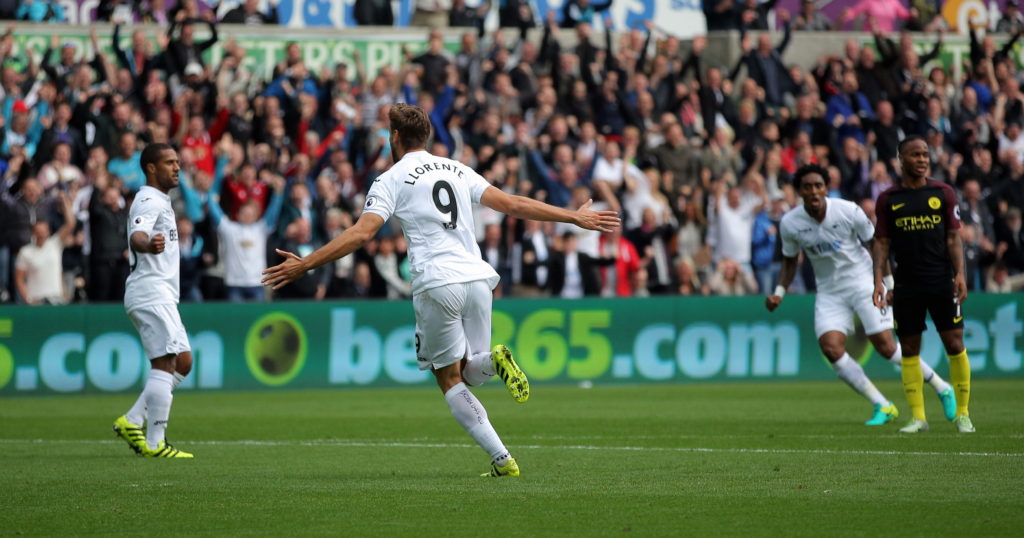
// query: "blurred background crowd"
[[696, 156]]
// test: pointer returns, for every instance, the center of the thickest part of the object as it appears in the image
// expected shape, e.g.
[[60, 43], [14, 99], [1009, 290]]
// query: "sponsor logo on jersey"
[[918, 222], [823, 248], [897, 206], [370, 202], [934, 202], [138, 220]]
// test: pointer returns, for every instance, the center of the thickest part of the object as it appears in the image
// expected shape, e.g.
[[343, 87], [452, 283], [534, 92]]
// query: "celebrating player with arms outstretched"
[[830, 232], [919, 220], [151, 300], [432, 199]]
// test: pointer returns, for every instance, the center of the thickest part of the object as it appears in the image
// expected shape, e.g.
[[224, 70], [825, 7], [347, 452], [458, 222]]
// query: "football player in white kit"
[[432, 199], [831, 232], [151, 300]]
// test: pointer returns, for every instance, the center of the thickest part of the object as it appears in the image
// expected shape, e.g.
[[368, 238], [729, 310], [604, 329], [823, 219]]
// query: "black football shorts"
[[910, 305]]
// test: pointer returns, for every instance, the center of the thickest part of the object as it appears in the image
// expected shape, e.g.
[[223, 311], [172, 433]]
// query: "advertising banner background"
[[683, 18], [262, 51], [956, 13], [90, 349]]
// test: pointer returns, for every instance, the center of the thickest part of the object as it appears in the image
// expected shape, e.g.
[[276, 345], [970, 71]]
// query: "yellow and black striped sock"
[[960, 375], [913, 383]]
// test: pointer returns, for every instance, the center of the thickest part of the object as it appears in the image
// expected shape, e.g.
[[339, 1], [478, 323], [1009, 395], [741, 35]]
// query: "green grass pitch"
[[779, 459]]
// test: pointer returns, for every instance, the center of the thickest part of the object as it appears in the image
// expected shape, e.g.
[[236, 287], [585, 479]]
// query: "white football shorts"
[[452, 323], [160, 330], [834, 311]]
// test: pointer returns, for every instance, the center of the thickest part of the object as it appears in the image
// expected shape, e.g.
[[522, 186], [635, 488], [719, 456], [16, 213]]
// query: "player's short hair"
[[806, 170], [411, 124], [903, 143], [151, 154]]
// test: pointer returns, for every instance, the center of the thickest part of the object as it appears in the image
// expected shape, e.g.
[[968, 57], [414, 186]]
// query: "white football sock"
[[849, 371], [479, 369], [470, 413], [137, 414], [178, 378], [158, 405], [933, 379]]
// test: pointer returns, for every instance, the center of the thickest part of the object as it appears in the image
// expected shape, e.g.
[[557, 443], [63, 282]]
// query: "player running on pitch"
[[432, 199], [151, 300], [830, 231], [919, 221]]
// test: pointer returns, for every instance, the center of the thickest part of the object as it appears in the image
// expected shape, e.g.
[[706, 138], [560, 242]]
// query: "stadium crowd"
[[696, 157]]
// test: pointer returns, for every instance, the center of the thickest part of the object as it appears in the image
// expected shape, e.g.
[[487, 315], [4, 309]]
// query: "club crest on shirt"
[[934, 202]]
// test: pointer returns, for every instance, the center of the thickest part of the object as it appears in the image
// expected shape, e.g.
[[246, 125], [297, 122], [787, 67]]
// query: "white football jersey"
[[834, 245], [432, 198], [154, 277]]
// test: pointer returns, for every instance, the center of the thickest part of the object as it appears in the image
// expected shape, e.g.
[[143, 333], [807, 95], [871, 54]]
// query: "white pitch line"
[[703, 450]]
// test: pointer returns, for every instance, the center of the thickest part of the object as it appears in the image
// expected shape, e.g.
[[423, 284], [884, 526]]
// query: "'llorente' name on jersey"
[[432, 198]]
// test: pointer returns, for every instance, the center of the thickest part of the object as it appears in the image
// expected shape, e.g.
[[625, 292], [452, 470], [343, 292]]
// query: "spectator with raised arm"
[[38, 271], [766, 68], [244, 243], [182, 47]]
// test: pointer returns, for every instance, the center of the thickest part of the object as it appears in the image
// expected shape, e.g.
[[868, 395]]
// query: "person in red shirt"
[[618, 279], [245, 187], [199, 141]]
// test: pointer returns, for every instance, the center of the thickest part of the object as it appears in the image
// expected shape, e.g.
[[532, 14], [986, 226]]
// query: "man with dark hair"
[[183, 50], [151, 299], [919, 220], [830, 232], [108, 220], [432, 198]]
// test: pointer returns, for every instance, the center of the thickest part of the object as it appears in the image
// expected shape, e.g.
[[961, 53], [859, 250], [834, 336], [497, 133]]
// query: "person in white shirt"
[[151, 300], [60, 172], [38, 273], [432, 199], [831, 232], [244, 243], [731, 232]]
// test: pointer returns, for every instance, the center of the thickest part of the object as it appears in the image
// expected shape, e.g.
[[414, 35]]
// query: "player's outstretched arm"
[[786, 276], [348, 242], [528, 208]]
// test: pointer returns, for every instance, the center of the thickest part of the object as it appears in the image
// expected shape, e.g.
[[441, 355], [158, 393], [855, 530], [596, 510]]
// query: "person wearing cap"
[[21, 131], [1012, 21]]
